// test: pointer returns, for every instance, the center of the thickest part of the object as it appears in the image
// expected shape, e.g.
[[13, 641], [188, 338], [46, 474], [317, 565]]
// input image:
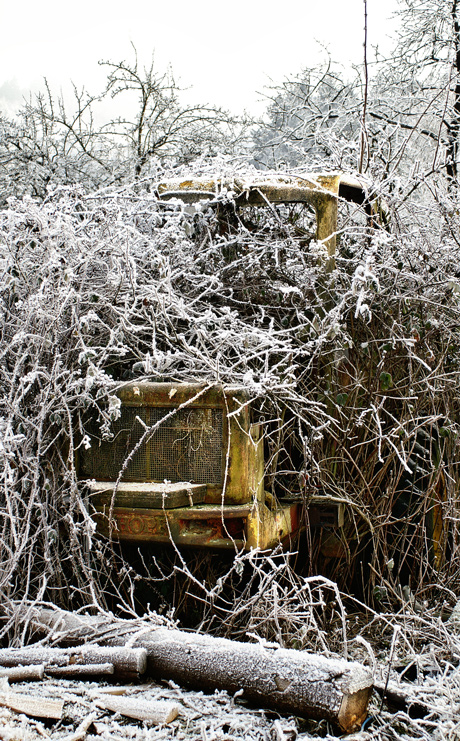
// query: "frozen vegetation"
[[354, 373]]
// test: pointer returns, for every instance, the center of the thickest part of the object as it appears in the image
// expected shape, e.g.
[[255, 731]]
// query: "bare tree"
[[161, 127], [412, 103], [428, 53], [313, 117], [54, 142], [51, 144]]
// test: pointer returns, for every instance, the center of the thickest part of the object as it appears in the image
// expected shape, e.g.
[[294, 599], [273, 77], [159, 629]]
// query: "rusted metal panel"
[[265, 528], [261, 189], [200, 525], [234, 512], [224, 527]]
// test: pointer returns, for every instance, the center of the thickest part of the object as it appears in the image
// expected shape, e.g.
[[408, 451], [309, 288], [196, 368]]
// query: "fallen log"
[[76, 671], [126, 663], [68, 628], [23, 673], [285, 680]]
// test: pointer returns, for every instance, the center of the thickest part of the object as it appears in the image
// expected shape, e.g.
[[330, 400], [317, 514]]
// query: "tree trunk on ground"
[[125, 663], [284, 680], [23, 673]]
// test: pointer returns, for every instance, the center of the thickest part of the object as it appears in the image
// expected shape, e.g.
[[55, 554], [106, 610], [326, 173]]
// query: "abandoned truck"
[[185, 462]]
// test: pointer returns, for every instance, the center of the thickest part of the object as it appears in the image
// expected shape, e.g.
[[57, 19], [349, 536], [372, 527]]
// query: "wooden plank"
[[159, 712], [36, 707]]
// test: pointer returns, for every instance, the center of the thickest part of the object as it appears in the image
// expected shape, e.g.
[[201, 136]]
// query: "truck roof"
[[320, 190], [271, 187]]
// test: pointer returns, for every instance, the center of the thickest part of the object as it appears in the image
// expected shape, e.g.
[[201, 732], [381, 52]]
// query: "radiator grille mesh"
[[186, 447]]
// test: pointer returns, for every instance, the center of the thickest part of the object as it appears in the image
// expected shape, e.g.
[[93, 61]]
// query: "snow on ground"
[[201, 716]]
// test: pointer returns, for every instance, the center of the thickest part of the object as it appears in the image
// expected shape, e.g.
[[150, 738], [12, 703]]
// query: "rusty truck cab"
[[184, 462]]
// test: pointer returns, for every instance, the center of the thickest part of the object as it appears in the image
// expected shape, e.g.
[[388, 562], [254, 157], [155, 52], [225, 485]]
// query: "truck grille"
[[186, 447]]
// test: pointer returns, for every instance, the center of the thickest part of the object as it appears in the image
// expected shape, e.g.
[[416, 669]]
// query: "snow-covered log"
[[285, 680], [124, 663], [75, 671], [23, 673]]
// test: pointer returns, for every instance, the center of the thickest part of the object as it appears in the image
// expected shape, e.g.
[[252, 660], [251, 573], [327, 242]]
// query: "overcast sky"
[[226, 50]]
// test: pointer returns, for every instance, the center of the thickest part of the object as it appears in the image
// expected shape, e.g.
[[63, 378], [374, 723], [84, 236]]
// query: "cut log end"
[[353, 709], [159, 712], [23, 673]]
